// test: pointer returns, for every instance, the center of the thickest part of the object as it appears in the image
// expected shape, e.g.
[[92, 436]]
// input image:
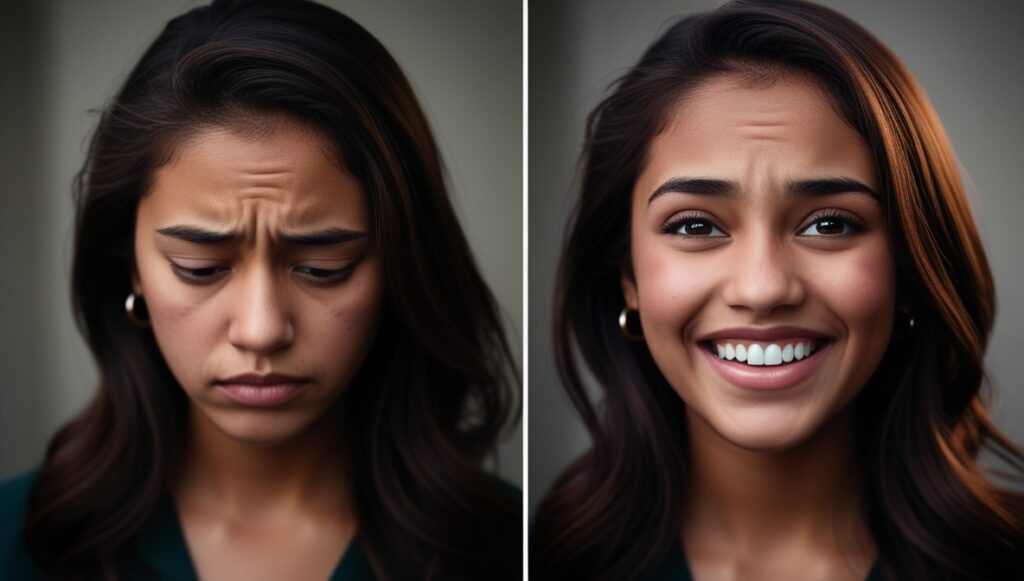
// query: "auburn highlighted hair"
[[921, 419]]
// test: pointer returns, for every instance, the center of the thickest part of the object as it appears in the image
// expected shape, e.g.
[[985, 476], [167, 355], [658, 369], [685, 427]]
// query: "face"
[[757, 238], [257, 265]]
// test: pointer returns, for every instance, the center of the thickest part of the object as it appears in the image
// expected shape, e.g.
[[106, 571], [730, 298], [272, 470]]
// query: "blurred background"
[[61, 58], [966, 55]]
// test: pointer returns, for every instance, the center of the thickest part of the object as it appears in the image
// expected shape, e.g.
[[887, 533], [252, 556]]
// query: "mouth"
[[766, 365], [262, 390], [764, 353]]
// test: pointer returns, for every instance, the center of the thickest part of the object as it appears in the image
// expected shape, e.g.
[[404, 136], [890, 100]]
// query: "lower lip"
[[767, 377], [261, 395]]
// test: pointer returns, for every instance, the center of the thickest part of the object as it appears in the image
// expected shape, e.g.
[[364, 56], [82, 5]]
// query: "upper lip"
[[765, 333], [257, 379]]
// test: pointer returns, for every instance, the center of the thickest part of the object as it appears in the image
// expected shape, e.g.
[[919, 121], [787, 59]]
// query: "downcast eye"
[[198, 275], [325, 276]]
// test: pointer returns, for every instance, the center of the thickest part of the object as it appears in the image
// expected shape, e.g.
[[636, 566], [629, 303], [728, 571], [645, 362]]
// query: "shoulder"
[[14, 560], [13, 500]]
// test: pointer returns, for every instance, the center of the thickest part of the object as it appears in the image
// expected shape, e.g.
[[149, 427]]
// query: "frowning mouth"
[[262, 379], [262, 390]]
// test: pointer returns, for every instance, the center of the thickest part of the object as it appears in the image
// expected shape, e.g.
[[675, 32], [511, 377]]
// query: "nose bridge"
[[261, 313], [764, 275]]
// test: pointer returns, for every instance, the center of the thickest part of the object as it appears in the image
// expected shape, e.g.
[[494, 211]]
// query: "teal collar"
[[160, 548]]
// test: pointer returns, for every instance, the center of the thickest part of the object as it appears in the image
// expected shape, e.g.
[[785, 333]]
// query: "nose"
[[261, 322], [763, 277]]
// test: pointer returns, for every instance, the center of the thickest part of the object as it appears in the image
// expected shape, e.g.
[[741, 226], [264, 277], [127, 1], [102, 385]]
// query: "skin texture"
[[259, 494], [776, 490]]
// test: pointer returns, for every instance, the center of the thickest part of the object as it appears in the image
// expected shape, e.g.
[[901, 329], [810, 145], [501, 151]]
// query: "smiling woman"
[[773, 275], [301, 369], [774, 243]]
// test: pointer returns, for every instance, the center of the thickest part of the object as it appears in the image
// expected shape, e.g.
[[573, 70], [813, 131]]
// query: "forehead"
[[290, 169], [733, 127]]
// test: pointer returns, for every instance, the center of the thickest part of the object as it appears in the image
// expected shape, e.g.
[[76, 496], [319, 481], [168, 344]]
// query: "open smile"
[[766, 365]]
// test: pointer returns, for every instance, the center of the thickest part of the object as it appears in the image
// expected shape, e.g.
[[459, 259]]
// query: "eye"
[[204, 275], [832, 223], [692, 226], [325, 277]]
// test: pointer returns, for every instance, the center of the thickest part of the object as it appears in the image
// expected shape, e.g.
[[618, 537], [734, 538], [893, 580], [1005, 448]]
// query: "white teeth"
[[770, 354], [755, 355]]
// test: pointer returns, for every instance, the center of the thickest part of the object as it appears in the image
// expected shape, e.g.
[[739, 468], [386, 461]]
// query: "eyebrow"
[[725, 188], [198, 235]]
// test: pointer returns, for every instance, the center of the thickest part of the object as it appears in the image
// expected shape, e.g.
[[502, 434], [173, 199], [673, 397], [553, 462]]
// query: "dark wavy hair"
[[921, 419], [439, 384]]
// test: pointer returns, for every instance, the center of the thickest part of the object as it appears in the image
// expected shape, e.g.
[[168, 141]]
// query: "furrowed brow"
[[199, 235], [324, 237]]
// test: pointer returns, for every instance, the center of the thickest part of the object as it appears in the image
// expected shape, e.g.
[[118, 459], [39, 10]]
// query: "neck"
[[755, 500], [240, 478]]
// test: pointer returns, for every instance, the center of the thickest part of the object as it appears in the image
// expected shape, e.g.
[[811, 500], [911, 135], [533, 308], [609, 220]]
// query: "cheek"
[[671, 288], [185, 337], [351, 327], [861, 290]]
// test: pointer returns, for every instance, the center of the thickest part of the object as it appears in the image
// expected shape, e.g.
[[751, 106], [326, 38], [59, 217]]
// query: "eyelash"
[[853, 222], [317, 276]]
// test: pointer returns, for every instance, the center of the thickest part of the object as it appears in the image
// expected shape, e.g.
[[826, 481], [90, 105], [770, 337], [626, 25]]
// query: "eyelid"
[[333, 275], [678, 219], [187, 275], [855, 223]]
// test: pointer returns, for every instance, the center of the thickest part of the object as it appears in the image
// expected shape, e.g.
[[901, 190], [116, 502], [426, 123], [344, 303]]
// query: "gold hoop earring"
[[135, 307], [624, 324]]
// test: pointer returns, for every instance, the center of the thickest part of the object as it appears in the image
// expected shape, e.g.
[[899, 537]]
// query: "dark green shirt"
[[158, 551], [674, 567]]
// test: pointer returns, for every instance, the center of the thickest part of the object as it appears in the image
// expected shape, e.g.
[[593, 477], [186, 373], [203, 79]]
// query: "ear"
[[628, 281]]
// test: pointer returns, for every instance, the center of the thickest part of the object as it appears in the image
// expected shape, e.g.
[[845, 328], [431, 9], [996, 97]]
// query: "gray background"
[[967, 57], [60, 58]]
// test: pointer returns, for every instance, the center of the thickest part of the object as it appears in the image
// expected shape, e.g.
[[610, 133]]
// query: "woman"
[[301, 367], [773, 274]]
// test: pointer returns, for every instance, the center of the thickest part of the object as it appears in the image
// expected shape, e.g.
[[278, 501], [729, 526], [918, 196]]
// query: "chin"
[[762, 431], [261, 428]]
